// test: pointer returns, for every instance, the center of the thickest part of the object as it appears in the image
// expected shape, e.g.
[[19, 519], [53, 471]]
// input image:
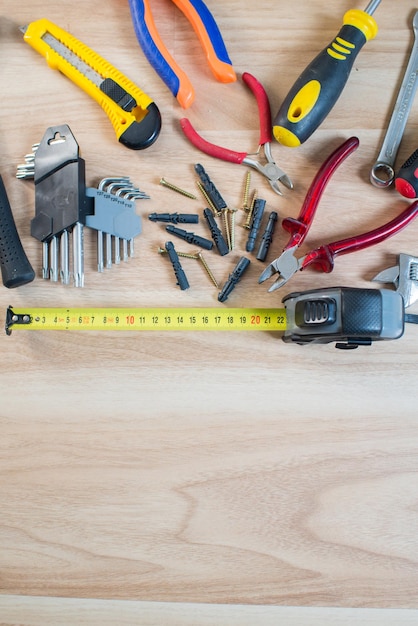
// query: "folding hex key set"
[[64, 206], [347, 316]]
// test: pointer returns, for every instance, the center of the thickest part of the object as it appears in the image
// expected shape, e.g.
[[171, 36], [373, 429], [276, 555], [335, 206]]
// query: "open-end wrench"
[[382, 173]]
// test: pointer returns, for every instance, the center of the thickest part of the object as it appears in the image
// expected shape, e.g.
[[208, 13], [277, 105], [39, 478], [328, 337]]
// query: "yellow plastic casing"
[[120, 119], [362, 21]]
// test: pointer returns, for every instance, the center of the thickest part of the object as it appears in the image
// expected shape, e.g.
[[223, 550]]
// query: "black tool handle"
[[15, 267]]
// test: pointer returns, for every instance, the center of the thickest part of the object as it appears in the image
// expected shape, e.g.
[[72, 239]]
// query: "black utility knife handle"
[[15, 267]]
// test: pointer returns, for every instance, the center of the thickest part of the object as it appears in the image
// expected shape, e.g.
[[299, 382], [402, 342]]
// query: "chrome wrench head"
[[404, 277], [382, 173]]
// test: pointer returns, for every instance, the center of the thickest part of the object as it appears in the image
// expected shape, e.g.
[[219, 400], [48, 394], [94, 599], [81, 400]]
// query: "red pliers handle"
[[299, 227], [323, 257], [271, 171]]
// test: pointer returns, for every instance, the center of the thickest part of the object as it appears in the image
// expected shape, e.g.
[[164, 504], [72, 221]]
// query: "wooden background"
[[218, 478]]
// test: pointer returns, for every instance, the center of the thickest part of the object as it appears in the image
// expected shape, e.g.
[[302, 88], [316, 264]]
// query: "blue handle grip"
[[160, 58], [147, 36]]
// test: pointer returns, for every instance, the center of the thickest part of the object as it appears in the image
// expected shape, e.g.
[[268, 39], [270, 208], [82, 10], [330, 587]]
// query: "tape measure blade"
[[146, 319]]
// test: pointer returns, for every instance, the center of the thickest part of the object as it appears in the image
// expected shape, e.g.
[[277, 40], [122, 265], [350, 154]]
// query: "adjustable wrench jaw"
[[403, 276]]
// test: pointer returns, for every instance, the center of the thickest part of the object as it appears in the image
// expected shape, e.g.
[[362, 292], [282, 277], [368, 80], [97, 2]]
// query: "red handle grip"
[[298, 228], [263, 103], [210, 148], [323, 257]]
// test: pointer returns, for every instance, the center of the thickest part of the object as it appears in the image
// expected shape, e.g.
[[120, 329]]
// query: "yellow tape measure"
[[161, 318]]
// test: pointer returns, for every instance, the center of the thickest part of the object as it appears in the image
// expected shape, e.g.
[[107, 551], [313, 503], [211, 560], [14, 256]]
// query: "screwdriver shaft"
[[372, 6]]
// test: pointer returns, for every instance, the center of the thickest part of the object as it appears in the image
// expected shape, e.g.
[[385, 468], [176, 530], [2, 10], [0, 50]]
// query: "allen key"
[[63, 206], [129, 193], [114, 219]]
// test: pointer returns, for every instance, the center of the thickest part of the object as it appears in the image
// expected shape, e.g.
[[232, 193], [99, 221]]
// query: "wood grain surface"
[[207, 477]]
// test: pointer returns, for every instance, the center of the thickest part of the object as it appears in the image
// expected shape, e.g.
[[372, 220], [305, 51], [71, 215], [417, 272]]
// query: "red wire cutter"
[[270, 170], [323, 257]]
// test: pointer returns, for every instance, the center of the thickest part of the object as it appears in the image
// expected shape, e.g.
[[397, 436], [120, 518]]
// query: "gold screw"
[[251, 210], [207, 198], [246, 191], [199, 256], [207, 268], [225, 214], [232, 227], [183, 192], [186, 255]]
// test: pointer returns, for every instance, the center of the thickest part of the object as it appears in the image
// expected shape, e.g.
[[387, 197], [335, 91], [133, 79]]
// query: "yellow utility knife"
[[134, 116]]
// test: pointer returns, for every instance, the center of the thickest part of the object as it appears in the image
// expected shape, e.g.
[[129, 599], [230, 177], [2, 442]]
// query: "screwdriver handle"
[[320, 85], [406, 180], [15, 267], [323, 257]]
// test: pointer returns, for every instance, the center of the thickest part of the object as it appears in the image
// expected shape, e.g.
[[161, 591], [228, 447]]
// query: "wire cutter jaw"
[[285, 266], [269, 170]]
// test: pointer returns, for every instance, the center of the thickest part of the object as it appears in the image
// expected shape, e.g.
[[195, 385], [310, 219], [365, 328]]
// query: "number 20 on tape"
[[145, 319]]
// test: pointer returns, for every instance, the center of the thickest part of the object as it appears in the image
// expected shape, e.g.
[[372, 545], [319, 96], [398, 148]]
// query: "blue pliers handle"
[[161, 60]]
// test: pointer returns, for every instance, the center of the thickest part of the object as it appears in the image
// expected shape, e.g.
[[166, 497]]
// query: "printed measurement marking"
[[148, 319]]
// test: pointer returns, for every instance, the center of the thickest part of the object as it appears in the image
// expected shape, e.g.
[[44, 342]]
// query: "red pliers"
[[323, 257], [270, 170]]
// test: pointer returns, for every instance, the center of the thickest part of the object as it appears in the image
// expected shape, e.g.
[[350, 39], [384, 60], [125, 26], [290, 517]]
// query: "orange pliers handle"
[[160, 58]]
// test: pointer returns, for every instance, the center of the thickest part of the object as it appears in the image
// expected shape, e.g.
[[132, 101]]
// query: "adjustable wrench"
[[404, 276], [382, 173]]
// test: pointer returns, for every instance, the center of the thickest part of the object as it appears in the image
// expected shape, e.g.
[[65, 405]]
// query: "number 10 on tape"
[[146, 319]]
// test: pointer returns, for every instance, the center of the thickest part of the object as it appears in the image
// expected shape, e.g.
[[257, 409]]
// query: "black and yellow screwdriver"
[[320, 85]]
